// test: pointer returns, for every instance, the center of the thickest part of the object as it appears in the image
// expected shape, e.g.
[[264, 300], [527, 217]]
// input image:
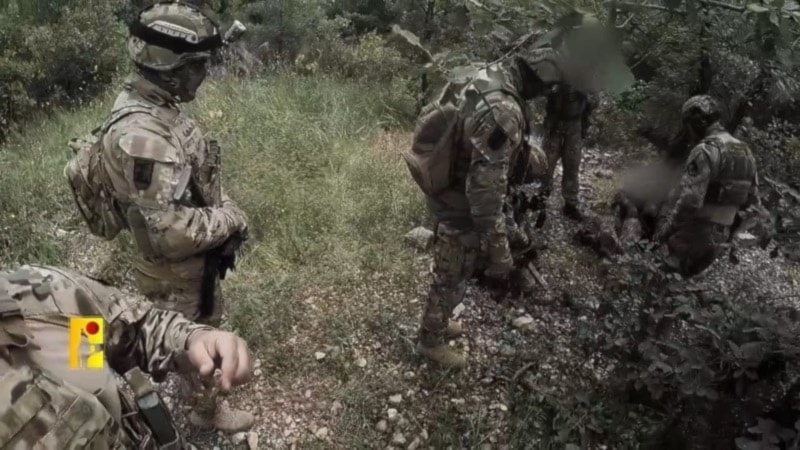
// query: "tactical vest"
[[41, 411], [474, 94], [198, 182], [437, 149], [729, 190]]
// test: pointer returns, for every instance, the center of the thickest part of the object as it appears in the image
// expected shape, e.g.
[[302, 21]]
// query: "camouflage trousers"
[[695, 246], [562, 141], [183, 296], [454, 256]]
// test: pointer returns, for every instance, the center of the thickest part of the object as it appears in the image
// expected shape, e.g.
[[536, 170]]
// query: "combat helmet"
[[167, 35], [700, 106], [543, 62]]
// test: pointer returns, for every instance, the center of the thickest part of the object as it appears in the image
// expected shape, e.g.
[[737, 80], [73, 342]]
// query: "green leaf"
[[756, 8]]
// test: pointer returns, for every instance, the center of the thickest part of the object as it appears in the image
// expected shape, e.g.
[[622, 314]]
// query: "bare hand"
[[206, 348]]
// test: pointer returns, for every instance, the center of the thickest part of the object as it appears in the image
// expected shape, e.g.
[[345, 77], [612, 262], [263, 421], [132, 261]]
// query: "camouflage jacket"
[[719, 179], [43, 400], [492, 139], [157, 163]]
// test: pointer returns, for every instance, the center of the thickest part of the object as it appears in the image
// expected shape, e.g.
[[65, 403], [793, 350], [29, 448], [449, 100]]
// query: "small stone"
[[61, 233], [499, 406], [409, 375], [257, 372], [424, 434], [252, 440], [336, 407], [361, 362], [217, 448], [319, 356], [420, 238], [382, 426], [308, 393], [458, 310], [391, 413], [321, 433], [415, 444], [458, 401], [396, 399], [402, 423], [238, 438], [522, 322], [257, 364], [398, 439], [604, 173]]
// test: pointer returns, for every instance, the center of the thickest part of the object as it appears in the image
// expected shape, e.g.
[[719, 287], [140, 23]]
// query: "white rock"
[[361, 362], [382, 426], [321, 433], [257, 372], [522, 322], [238, 438], [420, 238], [458, 310], [395, 399], [257, 364], [414, 445], [391, 413], [424, 434], [398, 439], [319, 356], [408, 375], [458, 401], [252, 440]]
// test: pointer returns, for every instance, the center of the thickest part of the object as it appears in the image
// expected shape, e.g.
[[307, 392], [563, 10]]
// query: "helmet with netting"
[[167, 35], [701, 110]]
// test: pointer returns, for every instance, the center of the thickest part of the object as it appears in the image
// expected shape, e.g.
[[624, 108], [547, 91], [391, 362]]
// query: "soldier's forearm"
[[183, 232], [162, 338]]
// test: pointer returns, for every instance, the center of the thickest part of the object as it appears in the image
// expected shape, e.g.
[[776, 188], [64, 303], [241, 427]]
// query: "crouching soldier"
[[718, 181], [49, 401]]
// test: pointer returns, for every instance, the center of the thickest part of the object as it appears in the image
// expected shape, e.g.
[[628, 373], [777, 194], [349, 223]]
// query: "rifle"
[[218, 260]]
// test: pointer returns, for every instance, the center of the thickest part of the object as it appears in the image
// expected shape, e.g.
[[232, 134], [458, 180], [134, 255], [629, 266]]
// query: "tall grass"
[[326, 204]]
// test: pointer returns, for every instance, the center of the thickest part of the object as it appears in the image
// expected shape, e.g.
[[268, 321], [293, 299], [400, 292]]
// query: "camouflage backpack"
[[434, 147], [87, 178]]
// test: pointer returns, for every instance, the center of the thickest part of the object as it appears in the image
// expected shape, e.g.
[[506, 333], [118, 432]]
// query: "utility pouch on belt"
[[153, 411]]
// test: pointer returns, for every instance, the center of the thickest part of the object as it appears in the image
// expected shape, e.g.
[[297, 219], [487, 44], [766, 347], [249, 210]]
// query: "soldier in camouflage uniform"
[[472, 215], [165, 176], [564, 128], [719, 180], [47, 404]]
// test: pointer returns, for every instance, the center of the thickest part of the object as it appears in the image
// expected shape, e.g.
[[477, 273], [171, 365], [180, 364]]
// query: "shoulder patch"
[[142, 173], [148, 146]]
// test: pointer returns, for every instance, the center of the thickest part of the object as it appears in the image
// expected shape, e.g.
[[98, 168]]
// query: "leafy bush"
[[60, 62], [688, 368]]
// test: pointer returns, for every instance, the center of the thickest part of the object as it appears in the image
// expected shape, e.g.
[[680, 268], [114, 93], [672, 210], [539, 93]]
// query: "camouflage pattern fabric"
[[474, 217], [37, 407], [151, 157], [719, 180], [455, 252], [562, 140]]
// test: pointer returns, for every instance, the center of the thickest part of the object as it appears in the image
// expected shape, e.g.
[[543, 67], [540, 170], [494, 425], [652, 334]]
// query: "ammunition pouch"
[[155, 425], [723, 201]]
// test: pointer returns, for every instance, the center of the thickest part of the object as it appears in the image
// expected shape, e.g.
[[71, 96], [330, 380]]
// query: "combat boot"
[[225, 419], [454, 329], [574, 212], [524, 281], [443, 356]]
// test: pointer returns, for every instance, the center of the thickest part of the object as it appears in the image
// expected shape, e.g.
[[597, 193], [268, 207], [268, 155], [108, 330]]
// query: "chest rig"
[[729, 190]]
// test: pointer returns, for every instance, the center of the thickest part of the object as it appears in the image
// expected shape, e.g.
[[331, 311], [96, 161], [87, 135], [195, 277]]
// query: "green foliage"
[[691, 369], [55, 56]]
